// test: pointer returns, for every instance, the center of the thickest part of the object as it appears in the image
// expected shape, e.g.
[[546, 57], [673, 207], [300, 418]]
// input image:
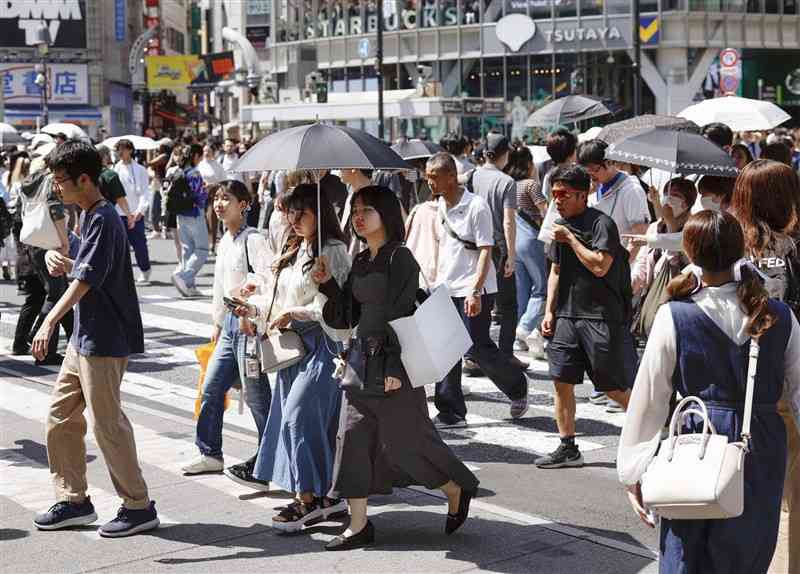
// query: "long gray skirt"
[[390, 441]]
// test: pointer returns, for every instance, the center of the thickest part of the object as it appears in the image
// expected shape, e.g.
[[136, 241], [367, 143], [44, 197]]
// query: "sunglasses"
[[561, 194]]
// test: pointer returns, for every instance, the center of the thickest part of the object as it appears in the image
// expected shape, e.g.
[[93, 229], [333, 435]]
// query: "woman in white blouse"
[[243, 254], [298, 447], [698, 346]]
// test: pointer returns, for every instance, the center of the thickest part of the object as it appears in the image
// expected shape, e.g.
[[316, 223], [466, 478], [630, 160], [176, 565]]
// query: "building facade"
[[526, 52]]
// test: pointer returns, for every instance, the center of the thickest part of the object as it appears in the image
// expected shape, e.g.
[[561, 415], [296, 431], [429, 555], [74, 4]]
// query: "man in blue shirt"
[[108, 328], [192, 228]]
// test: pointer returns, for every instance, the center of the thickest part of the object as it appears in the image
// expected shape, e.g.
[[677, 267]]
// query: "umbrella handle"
[[319, 212]]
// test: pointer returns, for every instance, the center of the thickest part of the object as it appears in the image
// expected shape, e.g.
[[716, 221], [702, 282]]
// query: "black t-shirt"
[[110, 185], [582, 295]]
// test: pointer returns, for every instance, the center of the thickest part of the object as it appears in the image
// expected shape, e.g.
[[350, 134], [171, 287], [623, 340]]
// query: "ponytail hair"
[[714, 242]]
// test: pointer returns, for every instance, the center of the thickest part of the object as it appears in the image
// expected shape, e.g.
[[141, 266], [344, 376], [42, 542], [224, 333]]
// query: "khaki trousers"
[[787, 554], [92, 382]]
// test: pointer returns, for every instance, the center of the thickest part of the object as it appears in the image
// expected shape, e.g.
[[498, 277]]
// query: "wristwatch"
[[476, 293]]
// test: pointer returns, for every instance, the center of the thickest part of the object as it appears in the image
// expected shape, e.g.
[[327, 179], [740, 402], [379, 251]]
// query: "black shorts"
[[589, 346]]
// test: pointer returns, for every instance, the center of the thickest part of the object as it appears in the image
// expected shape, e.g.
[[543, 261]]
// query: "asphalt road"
[[586, 504]]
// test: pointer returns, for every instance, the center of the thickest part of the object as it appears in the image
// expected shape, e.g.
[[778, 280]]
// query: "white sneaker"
[[194, 292], [535, 343], [203, 464], [180, 285], [144, 277], [153, 235]]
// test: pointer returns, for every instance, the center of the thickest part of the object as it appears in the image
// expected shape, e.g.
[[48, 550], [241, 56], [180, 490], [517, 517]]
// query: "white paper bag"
[[432, 340]]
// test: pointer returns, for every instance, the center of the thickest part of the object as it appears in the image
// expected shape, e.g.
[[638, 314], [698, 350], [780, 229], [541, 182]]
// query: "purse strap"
[[752, 366], [469, 245]]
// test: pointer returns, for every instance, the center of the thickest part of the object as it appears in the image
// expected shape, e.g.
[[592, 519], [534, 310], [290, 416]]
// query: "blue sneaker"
[[129, 522], [65, 514]]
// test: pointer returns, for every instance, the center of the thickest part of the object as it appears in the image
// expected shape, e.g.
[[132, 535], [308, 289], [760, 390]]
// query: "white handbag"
[[38, 228], [433, 339], [700, 476]]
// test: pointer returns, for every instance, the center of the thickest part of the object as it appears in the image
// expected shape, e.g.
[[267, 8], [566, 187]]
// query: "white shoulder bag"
[[700, 476], [38, 228]]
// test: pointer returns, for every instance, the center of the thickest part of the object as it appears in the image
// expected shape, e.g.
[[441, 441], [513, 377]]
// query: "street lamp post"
[[379, 69], [42, 42]]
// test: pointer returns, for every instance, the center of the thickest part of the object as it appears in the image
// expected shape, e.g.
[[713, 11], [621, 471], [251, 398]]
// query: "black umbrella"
[[319, 147], [618, 131], [674, 151], [417, 149], [568, 110]]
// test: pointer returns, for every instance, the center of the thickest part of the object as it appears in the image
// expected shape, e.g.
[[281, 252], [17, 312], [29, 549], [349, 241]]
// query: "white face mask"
[[710, 202], [677, 204]]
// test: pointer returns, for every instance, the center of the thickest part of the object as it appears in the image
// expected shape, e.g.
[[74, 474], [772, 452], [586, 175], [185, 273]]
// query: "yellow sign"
[[171, 72], [649, 28]]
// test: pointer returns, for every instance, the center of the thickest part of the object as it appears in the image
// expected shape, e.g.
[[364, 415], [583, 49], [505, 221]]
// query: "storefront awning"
[[347, 106]]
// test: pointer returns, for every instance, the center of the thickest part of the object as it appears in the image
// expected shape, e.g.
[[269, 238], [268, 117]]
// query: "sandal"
[[333, 507], [296, 515]]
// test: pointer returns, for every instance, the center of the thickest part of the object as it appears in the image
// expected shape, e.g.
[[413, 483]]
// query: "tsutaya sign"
[[516, 30]]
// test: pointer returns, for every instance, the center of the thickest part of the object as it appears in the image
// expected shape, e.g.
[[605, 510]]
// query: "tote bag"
[[38, 228], [433, 339]]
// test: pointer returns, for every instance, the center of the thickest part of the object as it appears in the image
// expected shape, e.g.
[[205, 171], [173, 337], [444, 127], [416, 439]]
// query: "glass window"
[[594, 7], [493, 85], [390, 80], [354, 79], [336, 80], [471, 78], [517, 78], [470, 11], [492, 10], [450, 78]]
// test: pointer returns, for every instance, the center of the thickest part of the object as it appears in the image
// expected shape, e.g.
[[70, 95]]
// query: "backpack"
[[783, 272], [179, 195], [6, 220]]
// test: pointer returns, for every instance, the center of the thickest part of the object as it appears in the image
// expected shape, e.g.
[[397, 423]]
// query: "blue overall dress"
[[711, 366]]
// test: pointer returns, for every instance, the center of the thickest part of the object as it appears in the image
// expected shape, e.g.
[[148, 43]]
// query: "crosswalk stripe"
[[202, 308], [154, 449]]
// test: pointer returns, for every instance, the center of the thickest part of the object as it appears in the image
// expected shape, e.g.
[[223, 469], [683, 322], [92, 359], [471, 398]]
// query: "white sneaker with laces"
[[535, 343], [203, 464], [144, 277]]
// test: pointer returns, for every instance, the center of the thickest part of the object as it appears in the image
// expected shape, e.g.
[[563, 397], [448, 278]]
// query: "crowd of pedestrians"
[[580, 261]]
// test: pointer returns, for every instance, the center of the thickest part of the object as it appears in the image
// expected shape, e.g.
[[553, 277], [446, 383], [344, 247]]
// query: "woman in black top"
[[388, 438]]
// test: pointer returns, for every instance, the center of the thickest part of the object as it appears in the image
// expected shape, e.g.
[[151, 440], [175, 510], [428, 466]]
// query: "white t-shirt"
[[471, 220], [627, 200]]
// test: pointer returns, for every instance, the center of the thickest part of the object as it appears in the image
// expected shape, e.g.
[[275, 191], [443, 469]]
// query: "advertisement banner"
[[19, 20], [67, 84], [171, 72]]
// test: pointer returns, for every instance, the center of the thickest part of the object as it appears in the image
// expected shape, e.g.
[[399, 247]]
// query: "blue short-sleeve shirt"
[[107, 319]]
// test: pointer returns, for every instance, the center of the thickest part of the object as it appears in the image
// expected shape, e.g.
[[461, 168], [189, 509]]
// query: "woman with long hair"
[[297, 450], [388, 438], [699, 347], [765, 201], [531, 269], [243, 251]]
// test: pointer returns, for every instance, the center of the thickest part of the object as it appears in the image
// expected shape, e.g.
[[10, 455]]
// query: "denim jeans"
[[138, 241], [193, 234], [225, 369], [449, 398], [531, 274]]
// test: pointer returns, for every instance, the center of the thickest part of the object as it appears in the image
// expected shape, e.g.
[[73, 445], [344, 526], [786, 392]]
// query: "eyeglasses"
[[363, 211], [563, 194]]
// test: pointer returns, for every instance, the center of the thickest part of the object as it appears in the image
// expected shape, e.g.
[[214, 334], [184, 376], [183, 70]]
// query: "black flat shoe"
[[364, 538], [454, 521]]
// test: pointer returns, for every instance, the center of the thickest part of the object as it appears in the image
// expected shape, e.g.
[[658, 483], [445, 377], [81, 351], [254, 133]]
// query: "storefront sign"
[[119, 20], [171, 72], [67, 84], [494, 108], [455, 107], [515, 30], [408, 19], [19, 20]]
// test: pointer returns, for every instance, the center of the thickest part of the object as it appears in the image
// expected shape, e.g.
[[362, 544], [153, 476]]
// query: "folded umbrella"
[[674, 151], [568, 110], [618, 131], [739, 114]]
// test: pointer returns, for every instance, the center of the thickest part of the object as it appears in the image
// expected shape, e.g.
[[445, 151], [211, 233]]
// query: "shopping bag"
[[433, 339], [203, 354]]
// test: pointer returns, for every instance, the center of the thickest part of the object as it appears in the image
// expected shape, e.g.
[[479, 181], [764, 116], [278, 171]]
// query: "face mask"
[[711, 203], [677, 204]]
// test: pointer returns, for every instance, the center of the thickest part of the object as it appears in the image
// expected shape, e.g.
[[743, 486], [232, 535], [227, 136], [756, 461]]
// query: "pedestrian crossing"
[[165, 361]]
